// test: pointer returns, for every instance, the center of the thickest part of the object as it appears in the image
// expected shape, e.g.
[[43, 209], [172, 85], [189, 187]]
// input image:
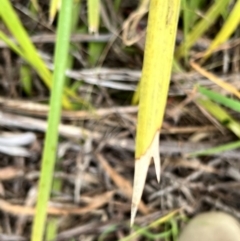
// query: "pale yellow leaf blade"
[[202, 26], [141, 168], [54, 7], [229, 26], [35, 4], [93, 16], [158, 58]]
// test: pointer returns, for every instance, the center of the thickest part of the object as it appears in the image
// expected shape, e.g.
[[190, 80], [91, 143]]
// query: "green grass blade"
[[160, 221], [28, 50], [190, 9], [221, 115], [216, 150], [174, 228], [109, 230], [221, 99], [51, 139], [12, 45], [68, 92], [117, 4], [177, 68], [73, 47], [202, 26], [51, 228], [26, 79], [35, 4], [94, 52], [52, 224], [14, 25], [186, 25], [152, 236], [193, 7]]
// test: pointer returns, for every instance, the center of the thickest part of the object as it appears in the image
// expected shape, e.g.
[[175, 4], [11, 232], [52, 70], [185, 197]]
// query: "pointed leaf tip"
[[141, 168], [156, 155], [134, 209], [155, 79]]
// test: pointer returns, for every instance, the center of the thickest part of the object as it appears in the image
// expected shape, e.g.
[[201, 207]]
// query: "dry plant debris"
[[96, 181]]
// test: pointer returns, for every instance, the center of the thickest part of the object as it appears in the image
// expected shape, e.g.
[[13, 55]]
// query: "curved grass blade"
[[153, 236], [216, 150], [221, 99], [221, 115], [229, 26], [67, 91], [158, 58], [26, 50], [210, 17], [154, 224], [15, 27], [51, 139], [11, 44]]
